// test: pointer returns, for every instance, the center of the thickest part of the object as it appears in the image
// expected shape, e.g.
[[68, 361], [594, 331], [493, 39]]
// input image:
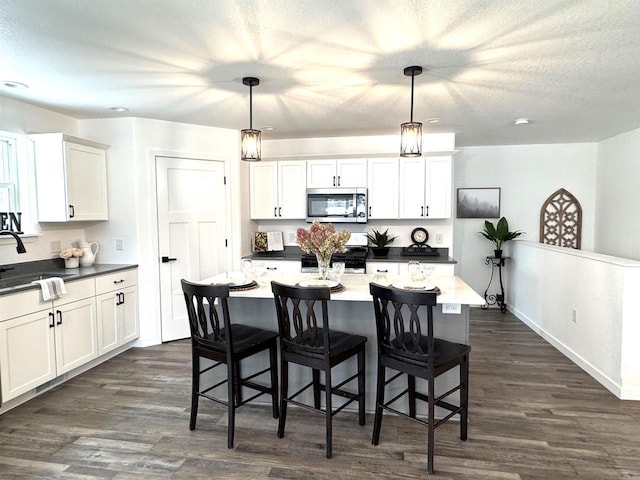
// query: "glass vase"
[[324, 260]]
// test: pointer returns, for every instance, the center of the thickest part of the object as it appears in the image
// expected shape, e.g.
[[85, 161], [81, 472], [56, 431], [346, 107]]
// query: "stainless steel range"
[[354, 257]]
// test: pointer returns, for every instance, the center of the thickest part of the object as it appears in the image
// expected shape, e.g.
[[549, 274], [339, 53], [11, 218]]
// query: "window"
[[8, 175]]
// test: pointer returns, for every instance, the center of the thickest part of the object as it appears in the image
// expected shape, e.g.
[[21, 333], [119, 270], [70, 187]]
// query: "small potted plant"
[[380, 240], [498, 234], [71, 257]]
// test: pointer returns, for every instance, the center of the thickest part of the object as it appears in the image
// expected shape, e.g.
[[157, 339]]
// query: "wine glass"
[[414, 270], [338, 270], [259, 269], [247, 267], [427, 271]]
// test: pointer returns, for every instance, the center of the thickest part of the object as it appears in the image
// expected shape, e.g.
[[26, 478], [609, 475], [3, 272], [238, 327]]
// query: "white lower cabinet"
[[40, 341], [117, 301], [401, 268], [40, 346], [281, 266]]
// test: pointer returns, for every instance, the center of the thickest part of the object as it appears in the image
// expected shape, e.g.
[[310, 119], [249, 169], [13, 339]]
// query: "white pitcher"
[[89, 252]]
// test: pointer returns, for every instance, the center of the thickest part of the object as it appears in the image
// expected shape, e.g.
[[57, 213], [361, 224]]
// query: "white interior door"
[[191, 232]]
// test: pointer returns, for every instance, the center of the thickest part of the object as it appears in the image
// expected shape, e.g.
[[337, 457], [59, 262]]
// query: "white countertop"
[[453, 289]]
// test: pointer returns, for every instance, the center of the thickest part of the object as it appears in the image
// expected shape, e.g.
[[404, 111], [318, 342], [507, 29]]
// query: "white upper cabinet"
[[345, 172], [278, 190], [425, 190], [382, 183], [71, 178]]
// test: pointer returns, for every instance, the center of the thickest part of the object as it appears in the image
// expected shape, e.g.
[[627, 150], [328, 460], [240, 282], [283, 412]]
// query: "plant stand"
[[495, 298]]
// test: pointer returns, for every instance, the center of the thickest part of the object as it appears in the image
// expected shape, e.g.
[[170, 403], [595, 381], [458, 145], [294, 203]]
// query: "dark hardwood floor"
[[533, 415]]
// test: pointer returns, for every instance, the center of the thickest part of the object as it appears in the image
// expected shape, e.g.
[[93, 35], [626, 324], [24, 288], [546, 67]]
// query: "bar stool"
[[306, 339], [404, 346], [213, 336]]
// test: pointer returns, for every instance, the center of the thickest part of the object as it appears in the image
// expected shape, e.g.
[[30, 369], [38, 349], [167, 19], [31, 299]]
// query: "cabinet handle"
[[427, 211], [382, 271], [338, 180], [369, 210], [51, 319], [121, 295], [279, 211], [122, 280], [334, 180], [272, 268], [72, 211], [422, 211], [275, 210], [59, 314]]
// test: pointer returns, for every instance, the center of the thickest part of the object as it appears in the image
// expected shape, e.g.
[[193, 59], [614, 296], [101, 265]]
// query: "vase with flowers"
[[322, 240], [71, 257]]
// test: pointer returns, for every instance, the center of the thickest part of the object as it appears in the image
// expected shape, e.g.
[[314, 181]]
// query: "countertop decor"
[[322, 240]]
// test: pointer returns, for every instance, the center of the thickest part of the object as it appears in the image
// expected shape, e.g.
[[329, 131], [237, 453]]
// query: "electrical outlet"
[[574, 316], [439, 239], [119, 244], [55, 246], [292, 237], [451, 308]]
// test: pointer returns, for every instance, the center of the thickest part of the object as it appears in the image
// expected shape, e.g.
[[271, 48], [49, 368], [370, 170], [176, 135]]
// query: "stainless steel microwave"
[[337, 205]]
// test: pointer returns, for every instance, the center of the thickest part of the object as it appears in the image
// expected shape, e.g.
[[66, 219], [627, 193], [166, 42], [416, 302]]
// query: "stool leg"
[[316, 388], [431, 435], [328, 410], [361, 386], [284, 391], [232, 389], [195, 389], [411, 381], [273, 362], [377, 420], [464, 397]]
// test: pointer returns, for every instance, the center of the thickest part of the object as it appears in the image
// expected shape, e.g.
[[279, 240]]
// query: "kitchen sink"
[[19, 280]]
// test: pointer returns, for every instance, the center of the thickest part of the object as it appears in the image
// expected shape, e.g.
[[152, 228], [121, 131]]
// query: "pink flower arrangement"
[[322, 239]]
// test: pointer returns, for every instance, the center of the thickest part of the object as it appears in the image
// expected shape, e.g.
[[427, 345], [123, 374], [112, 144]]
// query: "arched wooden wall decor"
[[561, 220]]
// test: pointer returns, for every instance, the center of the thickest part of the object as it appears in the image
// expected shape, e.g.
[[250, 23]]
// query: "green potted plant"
[[380, 240], [498, 234]]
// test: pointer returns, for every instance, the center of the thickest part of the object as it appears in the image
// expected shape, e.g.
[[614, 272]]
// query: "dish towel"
[[52, 288]]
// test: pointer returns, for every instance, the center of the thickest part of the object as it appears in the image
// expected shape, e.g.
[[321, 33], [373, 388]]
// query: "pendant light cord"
[[412, 77], [251, 106]]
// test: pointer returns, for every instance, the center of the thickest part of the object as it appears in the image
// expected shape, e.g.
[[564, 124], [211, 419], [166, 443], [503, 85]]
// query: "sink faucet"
[[20, 248]]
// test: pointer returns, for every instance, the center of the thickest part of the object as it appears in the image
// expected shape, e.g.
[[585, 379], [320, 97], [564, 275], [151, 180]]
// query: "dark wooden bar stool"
[[306, 339], [403, 345], [215, 337]]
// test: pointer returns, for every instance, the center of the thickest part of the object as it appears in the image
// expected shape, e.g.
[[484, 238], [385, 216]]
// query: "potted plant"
[[380, 240], [499, 234]]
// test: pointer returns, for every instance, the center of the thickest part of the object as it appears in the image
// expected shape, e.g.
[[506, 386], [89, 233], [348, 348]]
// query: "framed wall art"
[[478, 203]]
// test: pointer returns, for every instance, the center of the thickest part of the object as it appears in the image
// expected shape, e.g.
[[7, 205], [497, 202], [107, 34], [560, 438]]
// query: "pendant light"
[[251, 142], [411, 132]]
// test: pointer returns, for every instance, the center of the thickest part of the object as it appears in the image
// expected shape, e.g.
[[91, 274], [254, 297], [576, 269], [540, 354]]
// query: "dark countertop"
[[54, 267], [395, 255]]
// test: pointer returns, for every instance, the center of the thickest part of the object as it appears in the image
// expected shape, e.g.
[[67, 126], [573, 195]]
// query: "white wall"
[[132, 181], [618, 201], [526, 175], [22, 118], [586, 305]]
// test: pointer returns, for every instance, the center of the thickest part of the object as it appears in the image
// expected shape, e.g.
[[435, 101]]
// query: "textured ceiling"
[[335, 67]]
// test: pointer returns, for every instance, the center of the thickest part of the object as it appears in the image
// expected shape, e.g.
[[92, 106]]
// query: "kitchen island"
[[351, 310]]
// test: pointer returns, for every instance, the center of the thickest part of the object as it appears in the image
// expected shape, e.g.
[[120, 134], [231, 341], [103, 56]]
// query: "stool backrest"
[[303, 320], [404, 322], [208, 313]]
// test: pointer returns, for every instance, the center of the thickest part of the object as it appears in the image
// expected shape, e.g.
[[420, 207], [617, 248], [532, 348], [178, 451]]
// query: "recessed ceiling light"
[[433, 120], [12, 84], [118, 109], [522, 121]]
